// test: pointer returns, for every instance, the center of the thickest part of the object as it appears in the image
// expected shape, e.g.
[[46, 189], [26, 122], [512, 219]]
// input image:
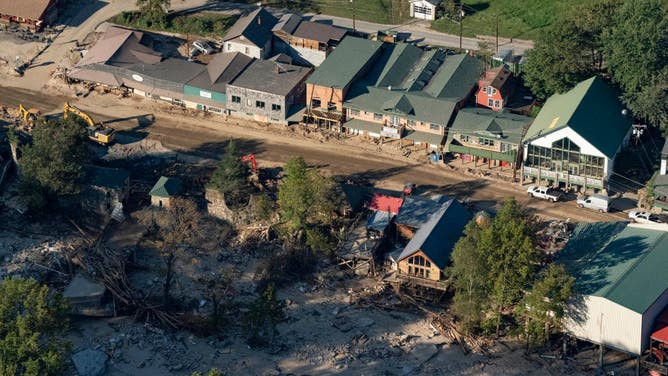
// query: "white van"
[[596, 202]]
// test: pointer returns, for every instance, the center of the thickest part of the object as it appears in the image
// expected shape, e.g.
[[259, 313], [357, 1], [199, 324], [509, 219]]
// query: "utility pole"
[[497, 33], [461, 24], [353, 2]]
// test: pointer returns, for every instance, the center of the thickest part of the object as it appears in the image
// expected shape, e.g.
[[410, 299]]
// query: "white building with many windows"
[[424, 9]]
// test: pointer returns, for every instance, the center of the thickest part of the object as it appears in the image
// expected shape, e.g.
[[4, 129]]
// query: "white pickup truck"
[[544, 193]]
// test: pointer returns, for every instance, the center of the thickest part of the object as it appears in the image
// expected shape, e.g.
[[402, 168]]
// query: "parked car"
[[544, 193], [203, 47], [595, 202], [645, 217]]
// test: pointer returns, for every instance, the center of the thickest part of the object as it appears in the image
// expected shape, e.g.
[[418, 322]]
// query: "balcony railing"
[[563, 177]]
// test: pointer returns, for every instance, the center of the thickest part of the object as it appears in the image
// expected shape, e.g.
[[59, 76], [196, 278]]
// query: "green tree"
[[635, 45], [305, 197], [154, 11], [558, 60], [470, 278], [544, 307], [33, 322], [54, 163], [211, 372], [263, 316], [510, 246], [230, 177]]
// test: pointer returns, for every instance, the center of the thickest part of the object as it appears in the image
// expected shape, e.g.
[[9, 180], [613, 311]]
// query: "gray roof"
[[436, 237], [271, 77], [430, 138], [363, 125], [319, 32], [345, 63], [221, 70], [664, 151], [417, 210], [255, 27], [171, 69], [456, 77], [31, 9], [112, 178], [287, 23], [120, 47], [485, 122]]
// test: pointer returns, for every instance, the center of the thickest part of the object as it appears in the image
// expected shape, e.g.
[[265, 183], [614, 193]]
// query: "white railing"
[[563, 177]]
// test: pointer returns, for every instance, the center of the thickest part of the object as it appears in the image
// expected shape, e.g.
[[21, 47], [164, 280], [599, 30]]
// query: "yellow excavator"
[[99, 133], [29, 116]]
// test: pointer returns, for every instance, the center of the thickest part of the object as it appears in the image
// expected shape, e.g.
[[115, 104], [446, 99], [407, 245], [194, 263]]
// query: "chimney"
[[259, 20]]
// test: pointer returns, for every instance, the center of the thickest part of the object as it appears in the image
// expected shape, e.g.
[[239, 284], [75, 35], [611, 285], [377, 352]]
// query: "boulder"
[[90, 362]]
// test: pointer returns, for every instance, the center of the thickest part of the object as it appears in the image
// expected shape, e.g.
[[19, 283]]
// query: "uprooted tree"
[[33, 323], [53, 164]]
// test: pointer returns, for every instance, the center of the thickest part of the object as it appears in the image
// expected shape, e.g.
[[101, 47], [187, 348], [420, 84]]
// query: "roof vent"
[[389, 88], [259, 20]]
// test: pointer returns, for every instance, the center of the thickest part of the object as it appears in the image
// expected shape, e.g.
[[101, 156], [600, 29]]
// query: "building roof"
[[432, 2], [222, 69], [456, 77], [417, 210], [591, 109], [485, 122], [93, 75], [499, 78], [664, 151], [410, 82], [287, 23], [425, 137], [363, 125], [112, 178], [379, 220], [167, 187], [120, 47], [319, 32], [31, 9], [171, 69], [271, 77], [385, 203], [436, 237], [624, 263], [345, 62], [661, 335], [255, 26]]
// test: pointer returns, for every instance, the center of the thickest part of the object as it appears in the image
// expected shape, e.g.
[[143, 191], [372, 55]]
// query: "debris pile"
[[48, 262], [553, 236]]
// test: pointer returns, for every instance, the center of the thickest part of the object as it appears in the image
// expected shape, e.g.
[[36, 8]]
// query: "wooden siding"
[[434, 271]]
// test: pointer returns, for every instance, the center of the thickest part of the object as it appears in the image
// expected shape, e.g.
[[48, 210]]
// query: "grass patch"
[[204, 24], [377, 11], [522, 19]]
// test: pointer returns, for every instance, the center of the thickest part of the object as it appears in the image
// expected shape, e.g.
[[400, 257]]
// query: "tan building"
[[165, 191], [31, 14], [305, 41]]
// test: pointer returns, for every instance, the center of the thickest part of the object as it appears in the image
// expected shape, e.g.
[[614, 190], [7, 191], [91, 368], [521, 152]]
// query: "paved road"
[[207, 138]]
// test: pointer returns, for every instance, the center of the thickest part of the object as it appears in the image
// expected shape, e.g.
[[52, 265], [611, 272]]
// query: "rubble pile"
[[44, 262], [553, 236]]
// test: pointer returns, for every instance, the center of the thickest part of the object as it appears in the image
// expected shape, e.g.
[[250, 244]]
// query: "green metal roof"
[[455, 78], [363, 125], [413, 105], [624, 263], [347, 60], [166, 187], [591, 109], [484, 122]]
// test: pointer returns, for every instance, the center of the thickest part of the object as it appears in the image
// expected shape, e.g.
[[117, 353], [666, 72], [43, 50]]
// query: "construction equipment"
[[29, 116], [99, 133], [250, 158]]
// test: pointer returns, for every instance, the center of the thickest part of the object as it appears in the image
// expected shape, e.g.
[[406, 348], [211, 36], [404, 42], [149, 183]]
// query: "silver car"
[[645, 217], [203, 47], [597, 202]]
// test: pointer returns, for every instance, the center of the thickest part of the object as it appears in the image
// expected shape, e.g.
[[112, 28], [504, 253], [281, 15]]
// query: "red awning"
[[386, 203], [661, 335]]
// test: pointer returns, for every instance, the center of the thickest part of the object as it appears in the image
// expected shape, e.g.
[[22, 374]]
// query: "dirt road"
[[207, 136]]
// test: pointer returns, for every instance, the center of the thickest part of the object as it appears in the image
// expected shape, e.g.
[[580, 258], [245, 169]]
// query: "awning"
[[296, 114], [90, 75], [424, 137], [509, 156], [362, 125], [661, 335]]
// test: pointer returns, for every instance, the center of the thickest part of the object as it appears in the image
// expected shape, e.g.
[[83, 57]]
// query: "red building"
[[32, 14], [495, 88]]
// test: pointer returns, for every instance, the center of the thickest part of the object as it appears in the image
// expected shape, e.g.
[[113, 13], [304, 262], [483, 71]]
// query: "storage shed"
[[164, 191], [621, 282]]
